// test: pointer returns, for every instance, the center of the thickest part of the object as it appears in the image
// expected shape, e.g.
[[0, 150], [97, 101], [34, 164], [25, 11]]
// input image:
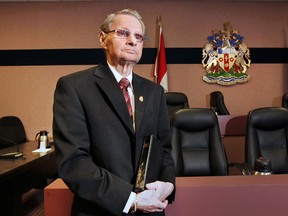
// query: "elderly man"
[[101, 116]]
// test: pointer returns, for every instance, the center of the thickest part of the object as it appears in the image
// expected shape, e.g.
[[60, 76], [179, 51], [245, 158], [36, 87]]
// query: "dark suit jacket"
[[97, 150]]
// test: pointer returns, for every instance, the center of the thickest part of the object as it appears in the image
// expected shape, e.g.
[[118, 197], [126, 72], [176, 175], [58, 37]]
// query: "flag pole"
[[160, 66], [155, 71]]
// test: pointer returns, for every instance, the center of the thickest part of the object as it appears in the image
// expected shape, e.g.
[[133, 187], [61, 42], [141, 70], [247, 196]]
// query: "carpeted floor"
[[33, 203]]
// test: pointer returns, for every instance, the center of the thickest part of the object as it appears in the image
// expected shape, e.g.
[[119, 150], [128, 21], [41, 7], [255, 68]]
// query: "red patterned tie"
[[124, 83]]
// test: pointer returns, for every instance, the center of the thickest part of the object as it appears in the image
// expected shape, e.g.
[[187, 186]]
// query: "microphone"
[[11, 155]]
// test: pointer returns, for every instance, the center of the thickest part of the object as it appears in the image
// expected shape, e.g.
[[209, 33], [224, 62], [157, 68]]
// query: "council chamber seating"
[[176, 101], [217, 103], [197, 148], [267, 136], [11, 131]]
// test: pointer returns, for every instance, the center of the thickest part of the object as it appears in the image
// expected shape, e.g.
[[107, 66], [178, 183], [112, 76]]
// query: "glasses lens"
[[139, 37], [122, 33]]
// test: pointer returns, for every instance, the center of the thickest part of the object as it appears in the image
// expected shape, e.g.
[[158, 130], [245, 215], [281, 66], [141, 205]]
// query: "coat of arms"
[[226, 57]]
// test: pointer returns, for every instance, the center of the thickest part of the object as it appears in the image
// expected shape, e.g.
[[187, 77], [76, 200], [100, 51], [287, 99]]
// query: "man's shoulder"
[[82, 73], [146, 82], [98, 70]]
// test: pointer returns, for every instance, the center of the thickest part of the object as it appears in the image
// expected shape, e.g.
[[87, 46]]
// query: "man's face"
[[121, 50]]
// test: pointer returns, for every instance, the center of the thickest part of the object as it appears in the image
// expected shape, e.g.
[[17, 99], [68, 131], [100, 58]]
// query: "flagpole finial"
[[159, 20]]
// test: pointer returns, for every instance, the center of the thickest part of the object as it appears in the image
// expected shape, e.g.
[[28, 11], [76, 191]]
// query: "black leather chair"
[[176, 101], [285, 100], [267, 136], [217, 103], [11, 131], [197, 148]]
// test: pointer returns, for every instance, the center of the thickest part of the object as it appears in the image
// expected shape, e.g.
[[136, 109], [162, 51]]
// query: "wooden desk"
[[233, 130], [19, 175], [205, 196], [232, 125], [57, 199], [231, 195]]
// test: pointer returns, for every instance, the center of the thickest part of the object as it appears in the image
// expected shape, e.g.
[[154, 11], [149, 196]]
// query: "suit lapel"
[[140, 100], [140, 104], [111, 89]]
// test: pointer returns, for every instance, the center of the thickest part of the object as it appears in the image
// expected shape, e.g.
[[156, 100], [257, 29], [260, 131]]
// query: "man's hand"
[[163, 189], [154, 198], [147, 201]]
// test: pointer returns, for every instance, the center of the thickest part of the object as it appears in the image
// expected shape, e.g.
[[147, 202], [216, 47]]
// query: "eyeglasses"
[[122, 33]]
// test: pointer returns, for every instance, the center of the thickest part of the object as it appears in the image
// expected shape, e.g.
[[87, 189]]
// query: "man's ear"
[[102, 39]]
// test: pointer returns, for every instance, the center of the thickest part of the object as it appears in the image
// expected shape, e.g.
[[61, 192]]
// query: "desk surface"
[[232, 181], [10, 167], [21, 174]]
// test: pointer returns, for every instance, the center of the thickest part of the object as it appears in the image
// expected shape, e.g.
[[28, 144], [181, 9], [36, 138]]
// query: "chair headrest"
[[194, 119], [175, 98], [268, 118]]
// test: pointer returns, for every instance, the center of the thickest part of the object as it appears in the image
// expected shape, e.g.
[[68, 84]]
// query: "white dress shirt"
[[118, 77]]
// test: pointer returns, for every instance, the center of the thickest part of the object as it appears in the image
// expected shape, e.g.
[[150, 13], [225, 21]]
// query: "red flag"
[[160, 66]]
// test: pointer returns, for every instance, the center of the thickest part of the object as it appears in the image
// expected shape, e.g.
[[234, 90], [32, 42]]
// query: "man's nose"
[[132, 40]]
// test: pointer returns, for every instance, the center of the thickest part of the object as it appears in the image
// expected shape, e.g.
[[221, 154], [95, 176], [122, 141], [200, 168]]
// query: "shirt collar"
[[118, 76]]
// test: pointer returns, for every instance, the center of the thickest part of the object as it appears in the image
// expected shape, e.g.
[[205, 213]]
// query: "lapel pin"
[[141, 98]]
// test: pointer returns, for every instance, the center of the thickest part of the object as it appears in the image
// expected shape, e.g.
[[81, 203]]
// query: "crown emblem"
[[226, 58]]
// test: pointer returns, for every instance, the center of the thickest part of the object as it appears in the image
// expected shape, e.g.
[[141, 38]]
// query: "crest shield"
[[226, 57], [226, 61]]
